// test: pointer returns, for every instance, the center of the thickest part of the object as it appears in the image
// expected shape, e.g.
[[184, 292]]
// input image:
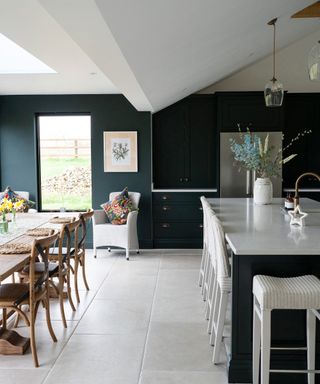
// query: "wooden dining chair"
[[60, 257], [32, 293], [79, 254], [59, 265]]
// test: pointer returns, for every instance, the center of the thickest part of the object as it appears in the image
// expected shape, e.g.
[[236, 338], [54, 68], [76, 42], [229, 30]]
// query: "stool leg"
[[265, 345], [311, 343], [220, 326], [256, 347]]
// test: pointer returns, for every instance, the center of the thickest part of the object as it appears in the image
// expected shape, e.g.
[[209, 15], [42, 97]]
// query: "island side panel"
[[288, 327]]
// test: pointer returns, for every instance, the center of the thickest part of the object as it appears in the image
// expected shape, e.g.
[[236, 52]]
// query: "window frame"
[[38, 155]]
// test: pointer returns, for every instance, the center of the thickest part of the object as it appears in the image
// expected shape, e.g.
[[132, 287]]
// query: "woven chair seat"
[[225, 284], [61, 220], [10, 293], [41, 232], [54, 252], [39, 268], [302, 292]]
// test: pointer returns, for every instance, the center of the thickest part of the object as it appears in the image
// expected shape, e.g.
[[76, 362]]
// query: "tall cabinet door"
[[201, 171], [169, 145], [185, 145], [301, 113]]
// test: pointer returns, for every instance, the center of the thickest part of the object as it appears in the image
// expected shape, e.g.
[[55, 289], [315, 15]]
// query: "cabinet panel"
[[180, 197], [176, 230], [247, 109], [185, 144], [169, 212], [302, 113], [169, 143], [178, 219], [203, 141]]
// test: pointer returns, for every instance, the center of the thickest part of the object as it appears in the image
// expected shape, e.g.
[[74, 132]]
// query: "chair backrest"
[[223, 266], [211, 218], [134, 196], [24, 194], [84, 217], [206, 208], [67, 232], [40, 250]]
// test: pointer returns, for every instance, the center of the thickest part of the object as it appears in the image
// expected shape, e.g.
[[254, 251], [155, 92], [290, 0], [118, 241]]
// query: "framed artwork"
[[120, 151]]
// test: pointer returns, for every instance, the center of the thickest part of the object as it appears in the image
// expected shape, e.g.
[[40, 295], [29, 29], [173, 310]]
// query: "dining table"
[[262, 241], [11, 342]]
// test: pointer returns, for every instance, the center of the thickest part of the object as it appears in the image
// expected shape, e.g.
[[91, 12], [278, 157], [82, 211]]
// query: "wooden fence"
[[73, 148]]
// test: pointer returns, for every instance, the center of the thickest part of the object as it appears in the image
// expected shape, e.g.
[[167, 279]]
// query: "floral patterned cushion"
[[117, 210], [11, 195]]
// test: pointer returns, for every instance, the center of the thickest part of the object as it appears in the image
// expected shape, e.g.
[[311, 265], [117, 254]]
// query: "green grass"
[[71, 202], [53, 166], [54, 201]]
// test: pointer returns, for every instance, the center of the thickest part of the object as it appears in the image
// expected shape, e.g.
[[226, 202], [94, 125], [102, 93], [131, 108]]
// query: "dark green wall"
[[108, 113]]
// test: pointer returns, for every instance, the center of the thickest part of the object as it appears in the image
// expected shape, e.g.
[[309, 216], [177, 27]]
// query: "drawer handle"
[[181, 179], [200, 209], [164, 197], [200, 225], [166, 208], [165, 225], [186, 179]]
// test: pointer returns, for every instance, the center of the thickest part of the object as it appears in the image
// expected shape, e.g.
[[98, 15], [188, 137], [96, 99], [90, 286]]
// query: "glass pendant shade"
[[273, 93], [314, 63]]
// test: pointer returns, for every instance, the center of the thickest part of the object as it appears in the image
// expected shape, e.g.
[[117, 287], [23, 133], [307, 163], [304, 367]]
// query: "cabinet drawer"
[[174, 230], [170, 212], [180, 197]]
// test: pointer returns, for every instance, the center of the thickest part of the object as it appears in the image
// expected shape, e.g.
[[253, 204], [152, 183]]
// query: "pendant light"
[[273, 91], [314, 62]]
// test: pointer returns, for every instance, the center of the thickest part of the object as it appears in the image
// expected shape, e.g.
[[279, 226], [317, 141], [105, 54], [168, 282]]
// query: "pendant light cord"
[[273, 23], [274, 50]]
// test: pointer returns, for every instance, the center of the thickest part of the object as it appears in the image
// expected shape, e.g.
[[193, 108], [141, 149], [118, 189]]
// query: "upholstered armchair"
[[108, 235]]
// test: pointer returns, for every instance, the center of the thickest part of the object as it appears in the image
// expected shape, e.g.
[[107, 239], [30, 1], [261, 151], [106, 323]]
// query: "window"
[[64, 162]]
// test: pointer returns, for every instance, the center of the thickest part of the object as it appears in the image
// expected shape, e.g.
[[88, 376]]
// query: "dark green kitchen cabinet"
[[178, 219], [247, 109], [185, 144], [302, 112]]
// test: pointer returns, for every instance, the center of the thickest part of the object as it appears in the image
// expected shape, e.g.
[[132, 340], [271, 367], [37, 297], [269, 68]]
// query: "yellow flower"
[[18, 204]]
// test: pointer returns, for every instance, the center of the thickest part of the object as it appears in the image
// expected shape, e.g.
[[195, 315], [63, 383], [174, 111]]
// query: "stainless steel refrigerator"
[[240, 184]]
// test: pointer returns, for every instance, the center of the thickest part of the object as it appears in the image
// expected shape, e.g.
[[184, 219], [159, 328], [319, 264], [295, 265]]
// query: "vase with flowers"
[[254, 154], [9, 206]]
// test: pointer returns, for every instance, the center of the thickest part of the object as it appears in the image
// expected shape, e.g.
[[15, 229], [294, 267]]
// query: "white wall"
[[291, 70]]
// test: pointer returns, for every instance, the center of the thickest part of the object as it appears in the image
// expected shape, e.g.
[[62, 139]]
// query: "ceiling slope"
[[30, 26], [154, 52], [177, 47], [82, 20]]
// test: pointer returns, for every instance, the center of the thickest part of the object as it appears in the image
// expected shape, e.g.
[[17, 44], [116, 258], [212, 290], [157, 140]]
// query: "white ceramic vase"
[[262, 191]]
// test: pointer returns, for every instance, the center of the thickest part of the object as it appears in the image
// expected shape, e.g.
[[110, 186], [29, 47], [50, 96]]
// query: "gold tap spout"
[[296, 196]]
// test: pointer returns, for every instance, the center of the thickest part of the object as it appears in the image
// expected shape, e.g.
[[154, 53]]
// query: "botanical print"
[[121, 151]]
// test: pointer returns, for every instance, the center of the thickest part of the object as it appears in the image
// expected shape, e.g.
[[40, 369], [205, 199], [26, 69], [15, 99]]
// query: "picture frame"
[[120, 151]]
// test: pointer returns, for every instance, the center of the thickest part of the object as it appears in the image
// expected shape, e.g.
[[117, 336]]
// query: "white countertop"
[[265, 230]]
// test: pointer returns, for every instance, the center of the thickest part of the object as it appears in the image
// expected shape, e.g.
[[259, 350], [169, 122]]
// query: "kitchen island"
[[263, 242]]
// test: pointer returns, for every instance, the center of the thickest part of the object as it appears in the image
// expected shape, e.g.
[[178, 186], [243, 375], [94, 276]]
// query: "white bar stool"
[[222, 289], [205, 243], [270, 293], [205, 271]]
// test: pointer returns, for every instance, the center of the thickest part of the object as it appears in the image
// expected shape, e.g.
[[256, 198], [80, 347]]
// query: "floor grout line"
[[78, 321], [149, 322]]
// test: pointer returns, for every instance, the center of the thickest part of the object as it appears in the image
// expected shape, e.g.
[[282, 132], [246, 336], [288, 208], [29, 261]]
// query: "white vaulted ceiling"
[[155, 52]]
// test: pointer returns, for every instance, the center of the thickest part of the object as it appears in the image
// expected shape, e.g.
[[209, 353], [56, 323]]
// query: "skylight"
[[15, 59]]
